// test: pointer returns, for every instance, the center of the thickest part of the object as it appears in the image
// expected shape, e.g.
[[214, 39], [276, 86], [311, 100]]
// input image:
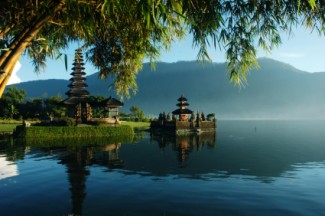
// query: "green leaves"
[[118, 35]]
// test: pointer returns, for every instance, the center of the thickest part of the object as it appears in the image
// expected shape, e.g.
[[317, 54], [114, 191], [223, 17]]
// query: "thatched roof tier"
[[112, 102], [75, 100], [182, 104], [78, 63], [182, 98], [182, 112], [78, 84], [77, 92], [78, 68], [77, 73], [79, 79]]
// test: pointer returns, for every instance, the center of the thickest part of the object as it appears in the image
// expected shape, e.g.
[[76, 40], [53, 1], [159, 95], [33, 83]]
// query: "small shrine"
[[184, 120], [112, 105]]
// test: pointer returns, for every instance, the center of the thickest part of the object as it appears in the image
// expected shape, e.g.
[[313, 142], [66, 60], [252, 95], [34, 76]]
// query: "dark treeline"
[[14, 105]]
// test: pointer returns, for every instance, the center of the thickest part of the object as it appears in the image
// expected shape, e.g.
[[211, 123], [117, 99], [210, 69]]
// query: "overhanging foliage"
[[117, 35]]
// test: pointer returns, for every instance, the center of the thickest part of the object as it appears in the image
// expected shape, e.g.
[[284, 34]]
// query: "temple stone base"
[[108, 121], [183, 127]]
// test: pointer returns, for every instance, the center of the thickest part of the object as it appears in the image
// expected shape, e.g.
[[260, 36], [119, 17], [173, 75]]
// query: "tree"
[[137, 113], [33, 108], [11, 101], [118, 35], [53, 106], [98, 107]]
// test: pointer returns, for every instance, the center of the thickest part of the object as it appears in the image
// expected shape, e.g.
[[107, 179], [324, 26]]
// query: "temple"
[[184, 121], [78, 102], [182, 111]]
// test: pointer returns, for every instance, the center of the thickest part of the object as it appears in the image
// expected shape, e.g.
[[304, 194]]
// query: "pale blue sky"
[[303, 50]]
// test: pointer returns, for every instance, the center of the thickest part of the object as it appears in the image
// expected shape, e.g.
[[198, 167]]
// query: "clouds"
[[14, 78]]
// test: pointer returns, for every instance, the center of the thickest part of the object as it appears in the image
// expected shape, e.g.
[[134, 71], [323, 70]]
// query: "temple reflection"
[[77, 159], [109, 156], [185, 144]]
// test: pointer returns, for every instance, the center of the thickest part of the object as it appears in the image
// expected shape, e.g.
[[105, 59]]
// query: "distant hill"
[[275, 91]]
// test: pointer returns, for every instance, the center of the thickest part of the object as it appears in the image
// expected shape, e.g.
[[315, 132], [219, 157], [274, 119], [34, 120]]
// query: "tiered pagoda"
[[182, 111], [78, 95]]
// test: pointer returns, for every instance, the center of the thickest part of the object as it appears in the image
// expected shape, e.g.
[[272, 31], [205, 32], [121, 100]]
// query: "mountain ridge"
[[275, 90]]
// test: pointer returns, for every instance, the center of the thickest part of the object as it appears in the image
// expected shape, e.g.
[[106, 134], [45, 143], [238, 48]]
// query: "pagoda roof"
[[75, 100], [182, 98], [77, 92], [77, 78], [182, 104], [78, 84], [112, 102], [182, 111], [78, 73], [77, 68], [79, 63]]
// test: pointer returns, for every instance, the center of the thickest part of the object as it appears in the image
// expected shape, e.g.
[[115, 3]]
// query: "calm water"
[[246, 168]]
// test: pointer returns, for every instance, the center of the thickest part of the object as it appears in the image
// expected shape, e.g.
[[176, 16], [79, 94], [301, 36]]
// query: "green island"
[[125, 129]]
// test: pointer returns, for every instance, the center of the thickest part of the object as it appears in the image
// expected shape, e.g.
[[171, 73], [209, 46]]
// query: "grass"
[[75, 132], [10, 121], [136, 124], [8, 127]]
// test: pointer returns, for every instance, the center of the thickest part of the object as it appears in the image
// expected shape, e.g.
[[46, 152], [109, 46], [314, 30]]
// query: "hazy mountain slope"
[[275, 90]]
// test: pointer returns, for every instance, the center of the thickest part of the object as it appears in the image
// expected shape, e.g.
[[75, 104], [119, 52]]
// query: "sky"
[[303, 50]]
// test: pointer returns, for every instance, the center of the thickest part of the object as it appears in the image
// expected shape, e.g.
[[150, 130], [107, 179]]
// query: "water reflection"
[[255, 154], [183, 145], [78, 159], [9, 154], [7, 168]]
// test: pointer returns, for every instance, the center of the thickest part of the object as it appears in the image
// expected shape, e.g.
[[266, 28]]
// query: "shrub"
[[67, 122]]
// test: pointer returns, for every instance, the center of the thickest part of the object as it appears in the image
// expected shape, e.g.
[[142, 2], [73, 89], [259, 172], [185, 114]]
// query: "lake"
[[246, 168]]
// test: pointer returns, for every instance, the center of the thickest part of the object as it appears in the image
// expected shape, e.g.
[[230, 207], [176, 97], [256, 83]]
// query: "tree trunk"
[[10, 58]]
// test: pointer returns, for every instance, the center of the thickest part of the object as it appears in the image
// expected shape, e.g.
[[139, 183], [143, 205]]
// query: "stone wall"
[[183, 125], [207, 124]]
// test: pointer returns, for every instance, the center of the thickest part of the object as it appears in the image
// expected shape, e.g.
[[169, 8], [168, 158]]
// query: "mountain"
[[273, 91]]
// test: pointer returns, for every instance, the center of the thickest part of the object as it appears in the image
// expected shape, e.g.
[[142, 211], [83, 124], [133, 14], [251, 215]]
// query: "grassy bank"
[[75, 132], [8, 127], [10, 121], [136, 124]]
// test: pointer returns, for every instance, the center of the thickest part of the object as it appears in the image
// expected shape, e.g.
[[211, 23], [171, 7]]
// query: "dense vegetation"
[[57, 132], [118, 35], [13, 105]]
